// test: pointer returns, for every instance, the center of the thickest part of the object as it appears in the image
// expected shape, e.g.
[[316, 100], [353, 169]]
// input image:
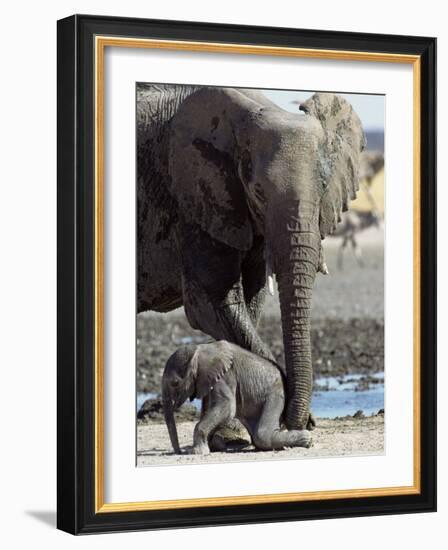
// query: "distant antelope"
[[371, 163], [354, 221]]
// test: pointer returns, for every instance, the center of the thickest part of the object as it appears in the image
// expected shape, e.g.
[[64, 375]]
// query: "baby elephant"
[[232, 382]]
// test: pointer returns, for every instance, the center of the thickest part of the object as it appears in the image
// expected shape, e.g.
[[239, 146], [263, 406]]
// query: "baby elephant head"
[[191, 373]]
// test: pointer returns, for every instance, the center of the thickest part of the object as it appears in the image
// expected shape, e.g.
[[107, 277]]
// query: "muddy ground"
[[347, 323]]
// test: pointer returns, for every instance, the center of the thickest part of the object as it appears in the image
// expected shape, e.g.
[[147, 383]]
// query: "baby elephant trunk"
[[168, 410]]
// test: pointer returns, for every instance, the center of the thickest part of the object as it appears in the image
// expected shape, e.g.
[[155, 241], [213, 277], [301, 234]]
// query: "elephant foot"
[[306, 439], [298, 438], [281, 439], [202, 449]]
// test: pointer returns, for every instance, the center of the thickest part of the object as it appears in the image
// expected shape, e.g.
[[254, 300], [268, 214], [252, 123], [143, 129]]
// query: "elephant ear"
[[210, 362], [203, 168], [339, 155]]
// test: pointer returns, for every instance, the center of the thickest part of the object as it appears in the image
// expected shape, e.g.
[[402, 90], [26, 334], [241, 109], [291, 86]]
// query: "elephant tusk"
[[322, 267], [271, 285], [269, 277]]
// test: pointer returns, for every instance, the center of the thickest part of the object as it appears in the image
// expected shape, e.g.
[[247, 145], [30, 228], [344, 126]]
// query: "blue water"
[[332, 403], [142, 397], [347, 382], [340, 399]]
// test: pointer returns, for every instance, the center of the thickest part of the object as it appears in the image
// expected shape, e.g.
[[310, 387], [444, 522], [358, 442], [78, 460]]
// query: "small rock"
[[152, 411], [232, 435]]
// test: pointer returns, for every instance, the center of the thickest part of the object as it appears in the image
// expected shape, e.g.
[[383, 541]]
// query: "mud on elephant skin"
[[232, 383], [232, 189]]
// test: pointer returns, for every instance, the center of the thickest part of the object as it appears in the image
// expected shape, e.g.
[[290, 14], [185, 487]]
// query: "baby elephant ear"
[[342, 142], [210, 362]]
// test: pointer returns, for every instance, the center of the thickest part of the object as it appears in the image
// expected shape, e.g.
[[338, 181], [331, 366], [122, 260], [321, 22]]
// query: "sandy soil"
[[339, 437]]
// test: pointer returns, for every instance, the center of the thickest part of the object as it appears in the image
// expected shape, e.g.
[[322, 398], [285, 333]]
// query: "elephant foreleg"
[[236, 325], [217, 413], [213, 293]]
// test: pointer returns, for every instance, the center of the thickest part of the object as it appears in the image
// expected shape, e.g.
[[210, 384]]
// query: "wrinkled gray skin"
[[230, 188], [233, 383]]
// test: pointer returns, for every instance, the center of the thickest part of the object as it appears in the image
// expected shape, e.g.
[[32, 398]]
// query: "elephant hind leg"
[[292, 438], [267, 434]]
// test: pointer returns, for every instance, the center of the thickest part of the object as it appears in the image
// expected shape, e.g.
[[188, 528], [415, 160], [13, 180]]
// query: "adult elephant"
[[232, 188]]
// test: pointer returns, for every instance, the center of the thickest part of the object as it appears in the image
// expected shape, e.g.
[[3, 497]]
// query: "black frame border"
[[75, 272]]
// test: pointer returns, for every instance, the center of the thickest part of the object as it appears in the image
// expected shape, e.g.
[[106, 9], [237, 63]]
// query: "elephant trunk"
[[168, 411], [296, 258]]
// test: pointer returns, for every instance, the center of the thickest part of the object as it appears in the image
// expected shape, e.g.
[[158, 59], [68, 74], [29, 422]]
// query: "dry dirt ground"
[[332, 438]]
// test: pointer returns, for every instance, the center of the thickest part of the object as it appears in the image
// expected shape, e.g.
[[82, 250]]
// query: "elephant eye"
[[175, 382]]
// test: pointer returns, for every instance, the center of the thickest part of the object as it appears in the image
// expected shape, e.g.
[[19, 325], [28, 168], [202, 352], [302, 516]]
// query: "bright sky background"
[[370, 108]]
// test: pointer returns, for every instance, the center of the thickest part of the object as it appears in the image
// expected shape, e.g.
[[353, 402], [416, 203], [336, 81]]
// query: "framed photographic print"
[[246, 274]]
